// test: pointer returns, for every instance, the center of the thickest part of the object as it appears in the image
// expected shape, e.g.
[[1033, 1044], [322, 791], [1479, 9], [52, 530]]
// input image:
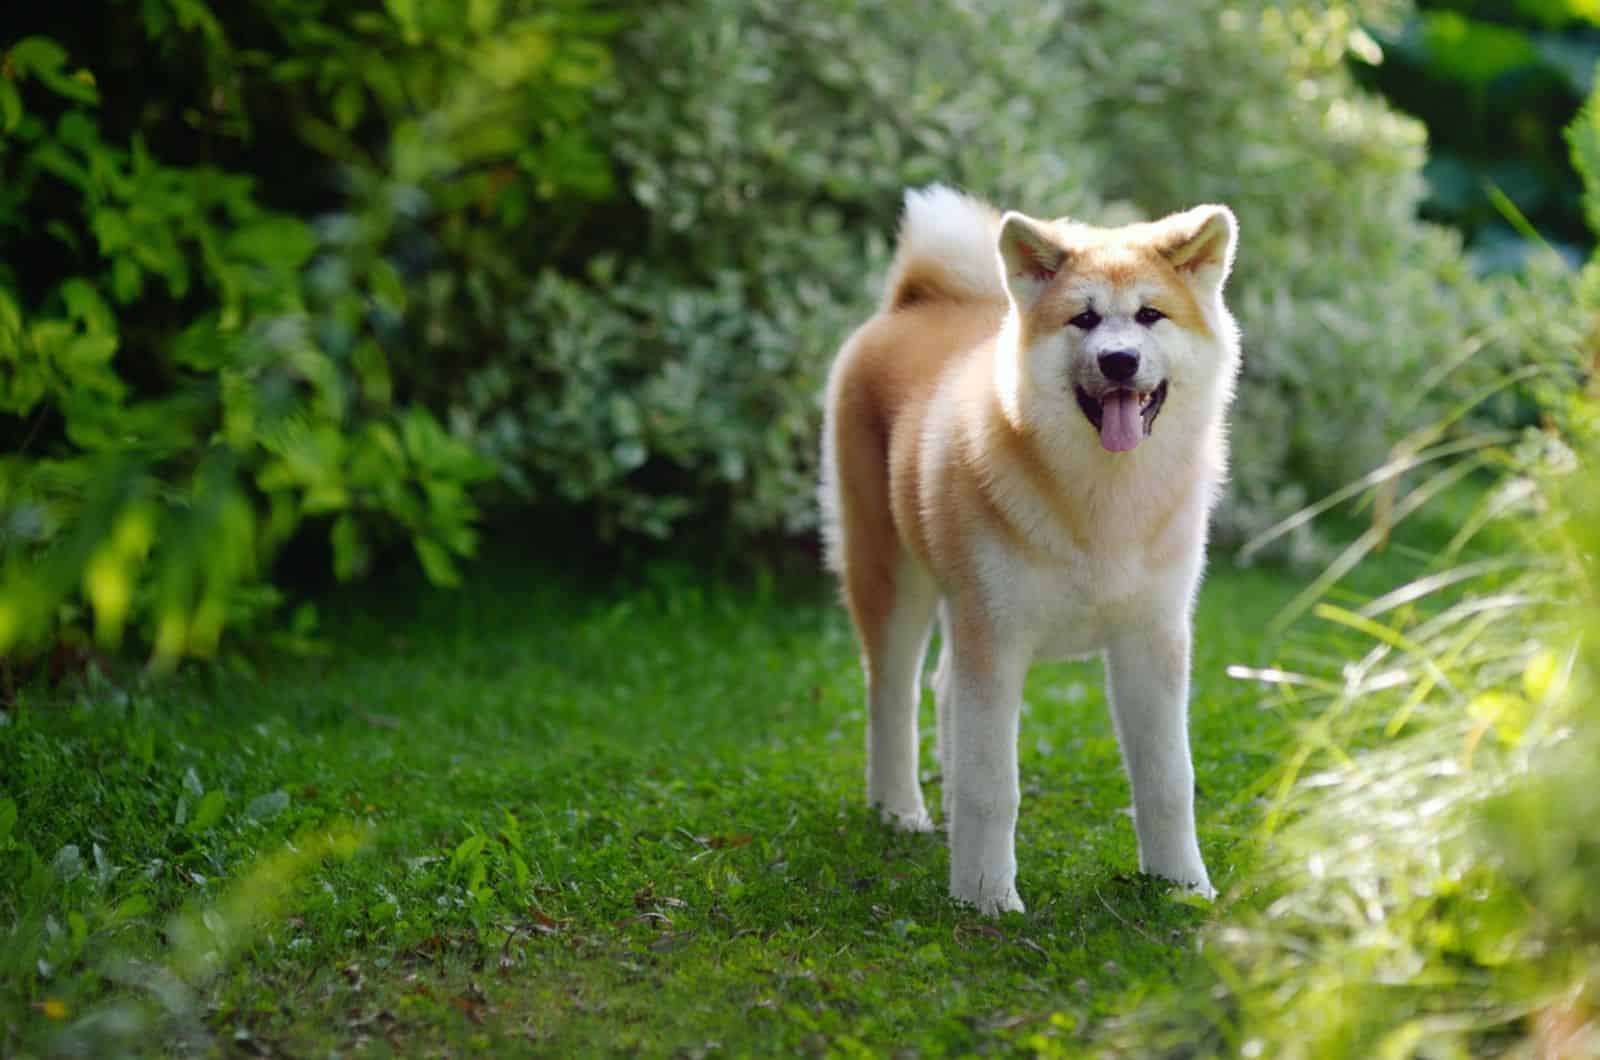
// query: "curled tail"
[[946, 252]]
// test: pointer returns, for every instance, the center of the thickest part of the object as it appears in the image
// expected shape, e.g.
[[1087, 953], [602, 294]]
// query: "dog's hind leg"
[[891, 600], [943, 694], [894, 651]]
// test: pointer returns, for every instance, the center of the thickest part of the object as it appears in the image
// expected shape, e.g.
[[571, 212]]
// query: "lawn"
[[557, 814]]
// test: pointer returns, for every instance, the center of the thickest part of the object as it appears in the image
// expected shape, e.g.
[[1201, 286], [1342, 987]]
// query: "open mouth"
[[1123, 417]]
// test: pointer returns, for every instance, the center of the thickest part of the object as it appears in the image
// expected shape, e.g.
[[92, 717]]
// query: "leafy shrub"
[[251, 301], [191, 375], [768, 146], [1496, 81]]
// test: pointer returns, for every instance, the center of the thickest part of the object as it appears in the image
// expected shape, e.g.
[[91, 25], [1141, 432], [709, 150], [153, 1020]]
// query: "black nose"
[[1119, 366]]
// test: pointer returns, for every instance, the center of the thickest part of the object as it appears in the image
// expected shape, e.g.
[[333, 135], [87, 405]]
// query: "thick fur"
[[962, 480]]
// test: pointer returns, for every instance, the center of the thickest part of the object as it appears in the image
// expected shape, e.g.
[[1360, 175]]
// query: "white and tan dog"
[[1027, 438]]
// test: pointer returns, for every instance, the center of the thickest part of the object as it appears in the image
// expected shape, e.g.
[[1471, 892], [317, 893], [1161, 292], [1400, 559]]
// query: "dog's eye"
[[1088, 320], [1148, 315]]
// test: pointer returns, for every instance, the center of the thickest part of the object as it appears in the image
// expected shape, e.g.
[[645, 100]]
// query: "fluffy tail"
[[947, 251]]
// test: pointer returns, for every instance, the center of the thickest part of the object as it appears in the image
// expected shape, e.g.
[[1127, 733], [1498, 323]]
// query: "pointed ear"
[[1030, 257], [1199, 243]]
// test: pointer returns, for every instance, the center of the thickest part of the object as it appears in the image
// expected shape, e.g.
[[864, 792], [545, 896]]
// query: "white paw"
[[990, 901], [1189, 878], [1203, 889], [912, 820]]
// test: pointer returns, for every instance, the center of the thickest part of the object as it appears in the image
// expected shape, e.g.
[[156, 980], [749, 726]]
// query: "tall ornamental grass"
[[1428, 853]]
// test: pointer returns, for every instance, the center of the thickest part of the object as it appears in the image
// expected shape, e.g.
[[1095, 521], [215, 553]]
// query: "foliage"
[[768, 147], [1446, 734], [1583, 138], [1496, 81], [571, 842], [769, 171], [346, 253], [192, 375]]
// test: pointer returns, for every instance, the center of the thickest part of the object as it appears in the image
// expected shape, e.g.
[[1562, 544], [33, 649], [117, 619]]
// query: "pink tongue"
[[1121, 426]]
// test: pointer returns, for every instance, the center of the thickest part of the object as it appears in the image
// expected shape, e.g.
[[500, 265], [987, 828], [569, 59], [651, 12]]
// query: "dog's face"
[[1116, 322]]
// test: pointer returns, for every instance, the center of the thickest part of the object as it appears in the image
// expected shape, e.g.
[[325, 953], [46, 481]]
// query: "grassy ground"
[[541, 816]]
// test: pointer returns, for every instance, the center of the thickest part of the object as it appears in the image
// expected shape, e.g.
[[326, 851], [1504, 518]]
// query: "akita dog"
[[1027, 439]]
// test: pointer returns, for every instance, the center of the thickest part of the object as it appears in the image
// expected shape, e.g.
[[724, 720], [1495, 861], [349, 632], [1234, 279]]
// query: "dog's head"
[[1118, 322]]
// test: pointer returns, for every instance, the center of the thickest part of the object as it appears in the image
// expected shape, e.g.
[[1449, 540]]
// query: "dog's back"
[[943, 299]]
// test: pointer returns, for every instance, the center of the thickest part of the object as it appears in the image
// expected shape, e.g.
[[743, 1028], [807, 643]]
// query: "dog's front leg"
[[1148, 675], [981, 774]]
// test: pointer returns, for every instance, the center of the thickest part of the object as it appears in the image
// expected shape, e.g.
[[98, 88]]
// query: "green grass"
[[664, 777]]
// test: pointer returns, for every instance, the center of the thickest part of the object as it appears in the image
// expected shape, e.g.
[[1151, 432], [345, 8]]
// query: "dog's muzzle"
[[1123, 417]]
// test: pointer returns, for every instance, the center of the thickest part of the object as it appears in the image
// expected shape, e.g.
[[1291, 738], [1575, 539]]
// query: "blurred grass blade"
[[1369, 540], [1416, 590], [1392, 469]]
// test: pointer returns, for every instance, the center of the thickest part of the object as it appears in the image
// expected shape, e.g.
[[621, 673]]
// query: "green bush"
[[1495, 81], [346, 251], [768, 145], [189, 375]]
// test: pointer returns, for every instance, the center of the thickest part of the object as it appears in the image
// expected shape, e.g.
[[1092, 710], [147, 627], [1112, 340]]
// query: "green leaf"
[[8, 818], [388, 286], [10, 106], [511, 831], [209, 812], [279, 242], [348, 104], [127, 282], [84, 304], [436, 562], [1583, 137], [129, 908], [43, 59], [468, 849], [404, 12], [79, 87], [483, 15], [34, 55], [1474, 51], [351, 556]]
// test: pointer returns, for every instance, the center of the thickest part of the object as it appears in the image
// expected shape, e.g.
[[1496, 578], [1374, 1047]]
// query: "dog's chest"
[[1072, 611], [1070, 603]]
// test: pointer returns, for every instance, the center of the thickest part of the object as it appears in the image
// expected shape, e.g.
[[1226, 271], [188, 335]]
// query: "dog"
[[1025, 441]]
